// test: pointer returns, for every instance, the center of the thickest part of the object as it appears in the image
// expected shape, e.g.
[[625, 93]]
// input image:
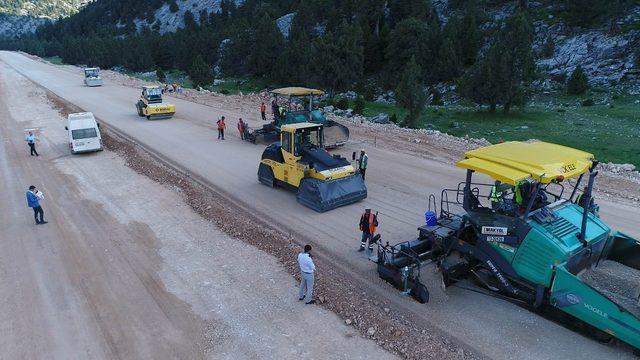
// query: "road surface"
[[398, 187], [125, 269]]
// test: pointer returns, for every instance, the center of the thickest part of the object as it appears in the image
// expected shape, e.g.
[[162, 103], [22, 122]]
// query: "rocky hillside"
[[19, 17]]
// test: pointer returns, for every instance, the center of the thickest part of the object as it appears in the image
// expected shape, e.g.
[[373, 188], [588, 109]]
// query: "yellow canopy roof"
[[514, 161], [297, 91]]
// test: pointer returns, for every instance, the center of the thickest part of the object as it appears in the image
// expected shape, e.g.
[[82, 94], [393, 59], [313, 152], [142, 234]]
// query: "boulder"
[[381, 118]]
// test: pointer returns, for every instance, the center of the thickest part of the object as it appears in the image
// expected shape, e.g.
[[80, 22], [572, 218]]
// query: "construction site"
[[165, 242]]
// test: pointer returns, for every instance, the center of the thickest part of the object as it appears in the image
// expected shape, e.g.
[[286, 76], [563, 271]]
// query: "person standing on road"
[[368, 224], [33, 201], [307, 269], [31, 141], [263, 111], [241, 128], [221, 126], [363, 162]]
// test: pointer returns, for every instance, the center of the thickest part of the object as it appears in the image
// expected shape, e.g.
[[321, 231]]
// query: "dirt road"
[[125, 269], [398, 186]]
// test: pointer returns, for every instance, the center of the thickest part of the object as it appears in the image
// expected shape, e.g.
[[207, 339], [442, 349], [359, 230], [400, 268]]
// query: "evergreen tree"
[[200, 72], [173, 6], [412, 38], [447, 65], [338, 58], [500, 77], [410, 94], [267, 45], [161, 75], [578, 83]]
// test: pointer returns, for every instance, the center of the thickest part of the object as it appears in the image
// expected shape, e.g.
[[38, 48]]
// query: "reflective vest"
[[369, 224], [517, 194], [494, 197], [221, 124], [263, 108], [364, 162]]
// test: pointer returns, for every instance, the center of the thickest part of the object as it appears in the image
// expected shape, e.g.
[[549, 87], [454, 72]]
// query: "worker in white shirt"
[[307, 269], [31, 141]]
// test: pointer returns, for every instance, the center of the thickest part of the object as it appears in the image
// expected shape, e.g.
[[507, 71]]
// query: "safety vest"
[[370, 222], [518, 195], [263, 108], [364, 161], [494, 197], [221, 124]]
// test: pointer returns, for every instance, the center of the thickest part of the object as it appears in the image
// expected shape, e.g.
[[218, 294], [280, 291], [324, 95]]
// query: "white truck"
[[84, 133], [92, 77]]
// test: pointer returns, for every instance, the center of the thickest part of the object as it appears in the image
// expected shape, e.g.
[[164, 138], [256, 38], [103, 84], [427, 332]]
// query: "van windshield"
[[84, 133]]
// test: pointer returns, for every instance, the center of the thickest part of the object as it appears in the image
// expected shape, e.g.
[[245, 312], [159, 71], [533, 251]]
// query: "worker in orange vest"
[[368, 224], [263, 111], [221, 126]]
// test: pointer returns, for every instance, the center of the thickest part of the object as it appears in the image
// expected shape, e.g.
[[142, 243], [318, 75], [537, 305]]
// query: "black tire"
[[265, 175], [148, 117]]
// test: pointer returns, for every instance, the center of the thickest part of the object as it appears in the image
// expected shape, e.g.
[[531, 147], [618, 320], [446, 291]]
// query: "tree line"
[[338, 45]]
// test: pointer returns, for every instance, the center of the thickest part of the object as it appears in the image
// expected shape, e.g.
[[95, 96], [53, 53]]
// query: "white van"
[[84, 133]]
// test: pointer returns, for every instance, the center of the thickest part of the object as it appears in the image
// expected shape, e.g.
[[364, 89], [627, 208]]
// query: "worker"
[[263, 111], [307, 270], [33, 201], [363, 162], [495, 196], [274, 107], [241, 127], [368, 224], [31, 141], [221, 127]]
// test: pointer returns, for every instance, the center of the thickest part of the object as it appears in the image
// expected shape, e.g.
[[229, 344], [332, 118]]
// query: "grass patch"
[[173, 76], [609, 129], [56, 60]]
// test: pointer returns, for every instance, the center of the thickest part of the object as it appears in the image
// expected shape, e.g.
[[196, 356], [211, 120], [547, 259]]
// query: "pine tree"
[[161, 75], [411, 38], [501, 76], [267, 45], [199, 72], [410, 94], [578, 82], [338, 58]]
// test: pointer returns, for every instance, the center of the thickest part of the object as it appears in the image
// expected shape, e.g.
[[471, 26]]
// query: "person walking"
[[221, 127], [33, 201], [307, 269], [263, 111], [31, 141], [241, 128], [363, 162], [368, 224]]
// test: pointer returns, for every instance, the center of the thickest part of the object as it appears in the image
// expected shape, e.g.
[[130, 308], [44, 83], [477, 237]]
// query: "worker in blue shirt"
[[33, 201], [31, 141]]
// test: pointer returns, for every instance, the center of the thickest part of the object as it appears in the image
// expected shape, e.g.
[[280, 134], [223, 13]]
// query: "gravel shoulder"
[[127, 269]]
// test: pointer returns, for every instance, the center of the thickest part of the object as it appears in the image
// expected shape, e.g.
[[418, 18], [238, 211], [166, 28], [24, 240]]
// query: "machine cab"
[[91, 72], [152, 94]]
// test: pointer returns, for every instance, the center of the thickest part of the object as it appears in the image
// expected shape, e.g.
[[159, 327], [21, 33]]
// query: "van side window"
[[286, 142]]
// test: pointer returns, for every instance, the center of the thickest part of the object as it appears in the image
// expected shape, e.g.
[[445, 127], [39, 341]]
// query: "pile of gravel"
[[618, 282]]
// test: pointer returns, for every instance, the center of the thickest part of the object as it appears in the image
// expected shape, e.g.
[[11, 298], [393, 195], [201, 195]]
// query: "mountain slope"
[[19, 17]]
